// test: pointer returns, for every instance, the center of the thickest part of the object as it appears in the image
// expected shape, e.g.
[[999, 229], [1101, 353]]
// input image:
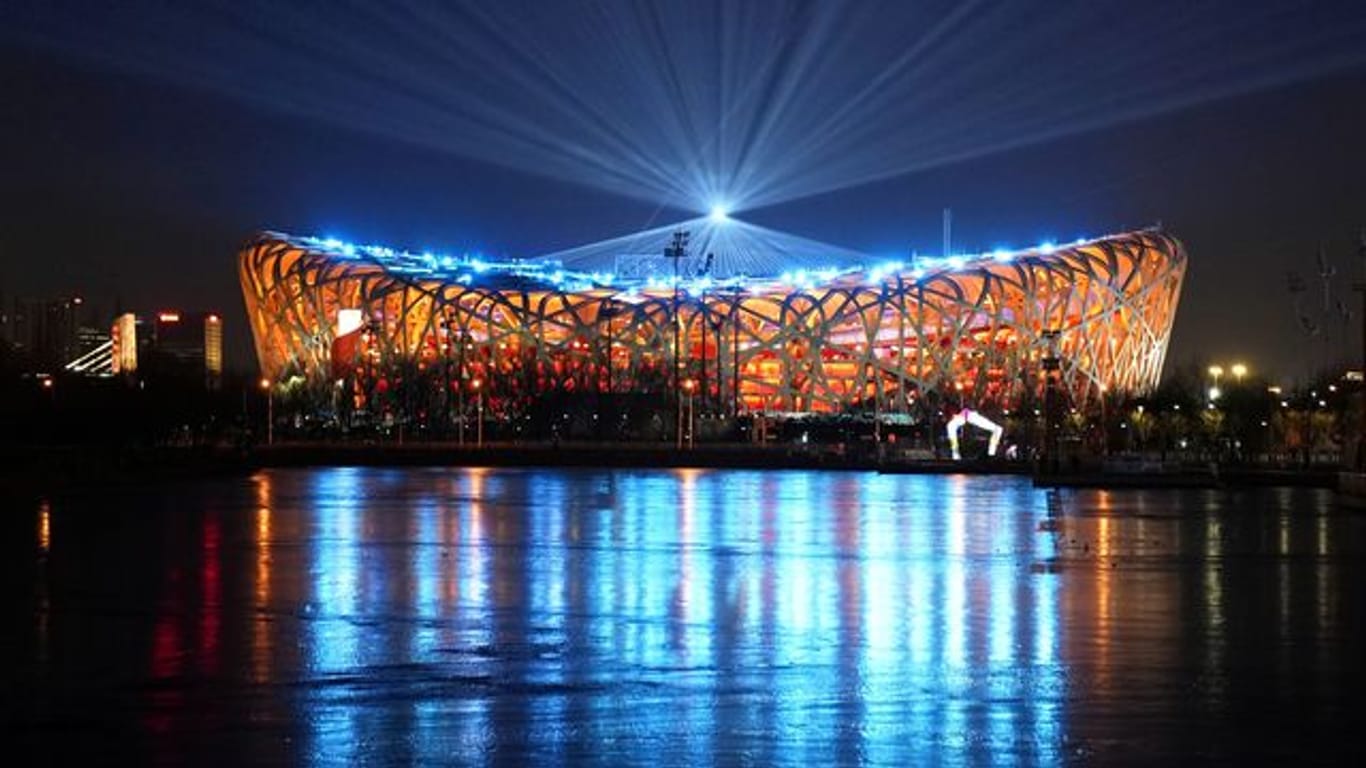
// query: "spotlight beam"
[[739, 248], [683, 104]]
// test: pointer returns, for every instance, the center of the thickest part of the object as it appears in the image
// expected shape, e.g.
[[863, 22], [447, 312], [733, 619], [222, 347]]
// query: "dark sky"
[[124, 182]]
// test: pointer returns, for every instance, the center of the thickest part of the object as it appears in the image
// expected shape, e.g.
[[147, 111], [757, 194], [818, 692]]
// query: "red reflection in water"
[[166, 662], [741, 616], [212, 591]]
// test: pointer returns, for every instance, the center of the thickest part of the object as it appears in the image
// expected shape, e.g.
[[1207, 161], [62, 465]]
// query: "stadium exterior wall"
[[976, 332]]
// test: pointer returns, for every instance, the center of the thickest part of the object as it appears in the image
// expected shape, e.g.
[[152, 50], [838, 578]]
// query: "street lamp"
[[1215, 371], [462, 343], [270, 410], [689, 386], [1052, 369], [478, 385], [677, 250], [607, 311], [1239, 371], [49, 385], [1104, 428]]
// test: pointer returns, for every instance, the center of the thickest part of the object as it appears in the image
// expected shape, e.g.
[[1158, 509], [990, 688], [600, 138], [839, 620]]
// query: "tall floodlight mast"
[[677, 250], [948, 233]]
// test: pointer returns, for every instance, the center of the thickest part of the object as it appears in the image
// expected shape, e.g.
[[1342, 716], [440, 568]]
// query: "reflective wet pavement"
[[682, 617]]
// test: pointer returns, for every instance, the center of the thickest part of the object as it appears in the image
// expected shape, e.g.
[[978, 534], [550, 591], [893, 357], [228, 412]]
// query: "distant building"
[[124, 337], [213, 350], [47, 336], [90, 338], [190, 344], [58, 339], [94, 346], [16, 325], [46, 331]]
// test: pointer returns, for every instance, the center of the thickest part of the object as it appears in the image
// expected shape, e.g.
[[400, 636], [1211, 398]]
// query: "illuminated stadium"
[[743, 319]]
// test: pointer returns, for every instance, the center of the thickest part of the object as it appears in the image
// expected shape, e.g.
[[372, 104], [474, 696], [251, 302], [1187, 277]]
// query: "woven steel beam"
[[976, 331]]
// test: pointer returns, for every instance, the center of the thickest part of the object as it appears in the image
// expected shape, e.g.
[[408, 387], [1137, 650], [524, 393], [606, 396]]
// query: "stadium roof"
[[596, 266]]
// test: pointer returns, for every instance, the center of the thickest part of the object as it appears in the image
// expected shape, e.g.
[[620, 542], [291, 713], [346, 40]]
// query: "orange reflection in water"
[[43, 606], [263, 556], [261, 640], [1103, 564], [44, 526], [687, 510]]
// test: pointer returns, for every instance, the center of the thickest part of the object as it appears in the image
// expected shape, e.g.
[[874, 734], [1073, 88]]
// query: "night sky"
[[136, 164]]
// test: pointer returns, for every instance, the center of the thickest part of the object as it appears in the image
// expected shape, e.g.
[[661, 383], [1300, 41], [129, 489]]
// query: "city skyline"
[[140, 186]]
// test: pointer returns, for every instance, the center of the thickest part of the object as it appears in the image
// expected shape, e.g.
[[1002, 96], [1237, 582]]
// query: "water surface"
[[682, 617]]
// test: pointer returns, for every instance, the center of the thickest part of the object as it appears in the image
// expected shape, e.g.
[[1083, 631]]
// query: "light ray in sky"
[[685, 104], [736, 248]]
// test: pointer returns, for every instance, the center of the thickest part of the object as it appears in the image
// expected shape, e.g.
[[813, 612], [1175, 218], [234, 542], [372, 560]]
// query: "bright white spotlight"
[[719, 214]]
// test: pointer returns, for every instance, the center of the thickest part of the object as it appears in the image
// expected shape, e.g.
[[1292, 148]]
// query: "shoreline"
[[46, 469]]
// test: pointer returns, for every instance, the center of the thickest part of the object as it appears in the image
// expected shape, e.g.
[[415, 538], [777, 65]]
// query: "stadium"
[[743, 323]]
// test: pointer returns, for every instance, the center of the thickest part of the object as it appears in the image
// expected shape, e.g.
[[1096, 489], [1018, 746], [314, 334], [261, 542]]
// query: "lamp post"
[[1104, 427], [1052, 370], [478, 385], [444, 336], [702, 333], [50, 387], [718, 405], [689, 387], [608, 311], [677, 250], [1239, 371], [735, 354], [460, 389], [1215, 371], [270, 410]]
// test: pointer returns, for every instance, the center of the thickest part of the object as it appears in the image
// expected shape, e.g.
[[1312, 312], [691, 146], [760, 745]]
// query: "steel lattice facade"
[[978, 328]]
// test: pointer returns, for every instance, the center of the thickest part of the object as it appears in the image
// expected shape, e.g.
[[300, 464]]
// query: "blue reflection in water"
[[496, 617], [791, 618], [1045, 696], [470, 719], [330, 634]]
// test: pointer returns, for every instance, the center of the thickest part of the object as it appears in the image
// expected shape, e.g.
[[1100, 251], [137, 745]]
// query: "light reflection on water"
[[347, 615], [728, 615]]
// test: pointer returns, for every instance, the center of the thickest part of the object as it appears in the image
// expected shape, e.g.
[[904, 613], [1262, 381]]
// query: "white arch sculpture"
[[969, 416]]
